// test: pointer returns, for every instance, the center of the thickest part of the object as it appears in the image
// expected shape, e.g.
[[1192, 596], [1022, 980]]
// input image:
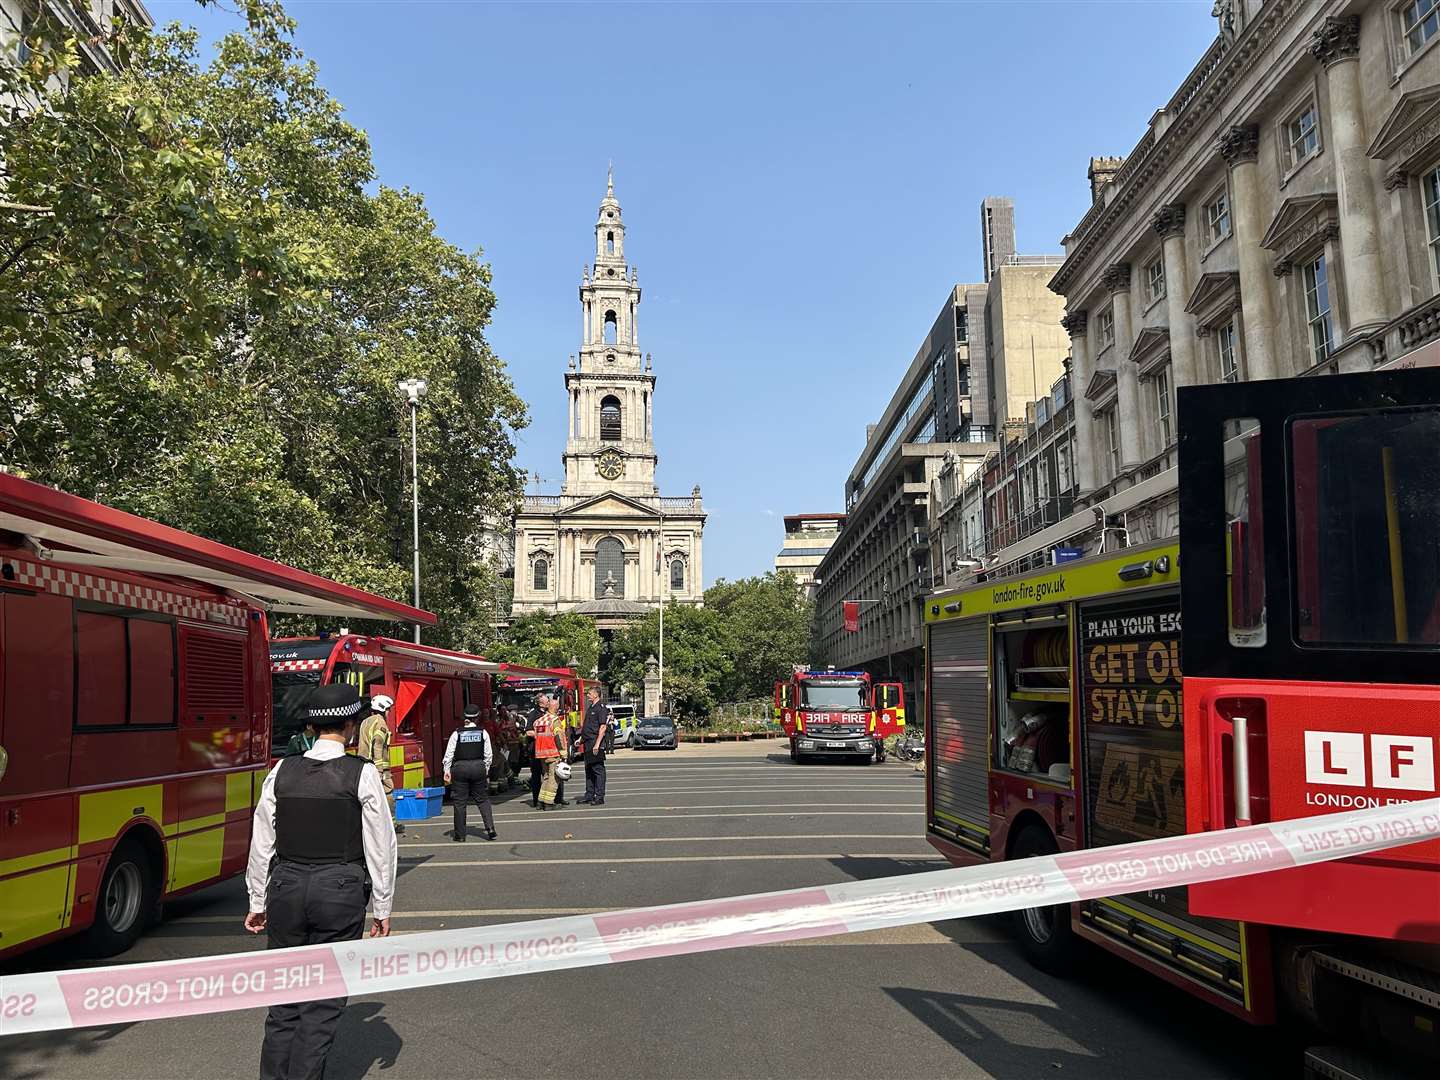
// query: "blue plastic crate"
[[417, 804]]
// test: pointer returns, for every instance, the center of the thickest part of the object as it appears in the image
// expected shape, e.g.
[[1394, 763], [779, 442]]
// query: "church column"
[[522, 555], [1240, 147], [570, 419], [1337, 45], [649, 413], [1117, 279]]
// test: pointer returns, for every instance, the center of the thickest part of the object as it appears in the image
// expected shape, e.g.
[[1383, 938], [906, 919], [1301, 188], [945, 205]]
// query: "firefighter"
[[321, 829], [548, 750], [375, 748], [467, 771]]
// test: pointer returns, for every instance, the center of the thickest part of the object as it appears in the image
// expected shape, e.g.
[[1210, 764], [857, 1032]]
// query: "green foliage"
[[206, 304], [748, 634], [544, 639]]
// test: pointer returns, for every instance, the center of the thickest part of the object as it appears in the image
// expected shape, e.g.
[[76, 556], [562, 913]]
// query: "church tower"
[[610, 442]]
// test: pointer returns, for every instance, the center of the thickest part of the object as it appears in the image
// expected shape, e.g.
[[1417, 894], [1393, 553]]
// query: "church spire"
[[610, 182]]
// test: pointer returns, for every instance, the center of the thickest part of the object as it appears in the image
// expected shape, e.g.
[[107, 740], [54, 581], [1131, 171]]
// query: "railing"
[[1191, 87], [550, 502], [1416, 327]]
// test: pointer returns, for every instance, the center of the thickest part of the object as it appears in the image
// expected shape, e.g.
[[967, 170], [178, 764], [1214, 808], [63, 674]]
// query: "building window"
[[1155, 280], [962, 326], [1225, 345], [609, 568], [1419, 20], [1062, 463], [542, 575], [612, 328], [677, 574], [1105, 329], [610, 419], [1217, 218], [1431, 194], [1302, 133], [124, 671], [1162, 406], [1112, 435], [1317, 308]]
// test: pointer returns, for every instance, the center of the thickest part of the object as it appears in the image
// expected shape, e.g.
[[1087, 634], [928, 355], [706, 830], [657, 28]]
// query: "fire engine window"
[[1032, 682], [152, 672], [1245, 535], [99, 670], [1367, 565], [848, 695]]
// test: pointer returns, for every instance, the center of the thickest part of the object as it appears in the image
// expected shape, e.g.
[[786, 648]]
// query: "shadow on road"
[[45, 1053], [365, 1040]]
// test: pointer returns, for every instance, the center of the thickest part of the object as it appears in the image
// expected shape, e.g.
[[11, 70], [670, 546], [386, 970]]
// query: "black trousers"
[[469, 783], [308, 905], [537, 777], [594, 775]]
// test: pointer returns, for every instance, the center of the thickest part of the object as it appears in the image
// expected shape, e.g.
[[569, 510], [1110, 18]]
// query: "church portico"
[[609, 545]]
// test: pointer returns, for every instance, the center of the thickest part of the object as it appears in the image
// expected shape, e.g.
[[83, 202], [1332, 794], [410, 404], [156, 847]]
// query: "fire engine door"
[[1309, 511], [785, 707], [890, 708]]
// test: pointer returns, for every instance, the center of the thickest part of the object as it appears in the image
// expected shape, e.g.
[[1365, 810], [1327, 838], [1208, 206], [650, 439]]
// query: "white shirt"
[[376, 829], [455, 737]]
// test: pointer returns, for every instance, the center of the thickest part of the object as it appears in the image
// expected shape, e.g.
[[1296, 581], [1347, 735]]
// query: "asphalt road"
[[951, 1000]]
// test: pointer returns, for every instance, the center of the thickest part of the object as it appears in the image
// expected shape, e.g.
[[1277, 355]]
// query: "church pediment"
[[611, 504]]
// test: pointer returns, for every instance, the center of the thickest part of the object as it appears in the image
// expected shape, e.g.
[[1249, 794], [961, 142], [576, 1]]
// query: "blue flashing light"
[[828, 673]]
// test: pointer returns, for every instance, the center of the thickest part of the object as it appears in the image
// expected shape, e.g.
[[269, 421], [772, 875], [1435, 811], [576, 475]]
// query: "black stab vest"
[[470, 744], [317, 810]]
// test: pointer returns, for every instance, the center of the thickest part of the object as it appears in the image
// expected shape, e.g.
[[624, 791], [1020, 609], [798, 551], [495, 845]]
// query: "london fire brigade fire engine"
[[1059, 716], [134, 711], [829, 713]]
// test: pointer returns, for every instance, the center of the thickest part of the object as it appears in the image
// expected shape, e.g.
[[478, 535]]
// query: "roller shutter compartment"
[[957, 742]]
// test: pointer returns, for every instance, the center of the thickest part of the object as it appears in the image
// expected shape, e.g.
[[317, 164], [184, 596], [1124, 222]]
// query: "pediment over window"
[[1301, 222], [1152, 346], [1215, 296], [1101, 386], [1411, 131]]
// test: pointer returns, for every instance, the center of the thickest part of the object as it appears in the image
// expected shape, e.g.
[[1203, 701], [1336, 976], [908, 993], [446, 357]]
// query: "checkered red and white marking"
[[297, 665], [132, 992], [105, 590]]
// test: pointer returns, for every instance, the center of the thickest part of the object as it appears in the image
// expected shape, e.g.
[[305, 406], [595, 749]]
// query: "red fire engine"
[[520, 686], [134, 711], [1308, 618], [431, 687], [829, 713]]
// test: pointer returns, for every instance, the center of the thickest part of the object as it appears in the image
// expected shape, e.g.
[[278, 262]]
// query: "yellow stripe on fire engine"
[[21, 863], [33, 905], [196, 857], [239, 791], [397, 755], [104, 813], [414, 776]]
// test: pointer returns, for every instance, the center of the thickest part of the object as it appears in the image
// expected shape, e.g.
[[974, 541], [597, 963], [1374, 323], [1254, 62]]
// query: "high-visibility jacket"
[[544, 731]]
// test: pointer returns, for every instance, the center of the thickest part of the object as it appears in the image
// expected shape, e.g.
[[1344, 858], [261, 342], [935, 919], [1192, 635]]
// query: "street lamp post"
[[414, 390]]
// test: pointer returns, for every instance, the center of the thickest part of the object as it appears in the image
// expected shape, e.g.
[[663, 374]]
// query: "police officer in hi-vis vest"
[[322, 827], [467, 771]]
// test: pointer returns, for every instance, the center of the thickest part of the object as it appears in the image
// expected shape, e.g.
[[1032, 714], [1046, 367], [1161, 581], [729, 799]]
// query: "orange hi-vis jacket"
[[544, 731]]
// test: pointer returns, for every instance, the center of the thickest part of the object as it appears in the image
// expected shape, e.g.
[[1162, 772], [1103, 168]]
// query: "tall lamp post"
[[414, 390]]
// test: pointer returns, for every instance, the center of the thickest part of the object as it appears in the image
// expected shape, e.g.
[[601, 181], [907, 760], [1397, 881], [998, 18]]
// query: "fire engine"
[[1293, 669], [829, 713], [134, 711], [430, 686]]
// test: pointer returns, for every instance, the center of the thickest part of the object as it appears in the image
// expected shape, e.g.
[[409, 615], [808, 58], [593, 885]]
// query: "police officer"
[[467, 771], [322, 826], [374, 747]]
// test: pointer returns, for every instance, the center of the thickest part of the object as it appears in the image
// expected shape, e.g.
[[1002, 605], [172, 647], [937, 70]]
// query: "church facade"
[[609, 545]]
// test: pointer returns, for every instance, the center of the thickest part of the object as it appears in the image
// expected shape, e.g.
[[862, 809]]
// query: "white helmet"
[[562, 770], [381, 703]]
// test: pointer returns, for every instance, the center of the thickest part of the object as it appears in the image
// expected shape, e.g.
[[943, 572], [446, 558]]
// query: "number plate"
[[838, 745]]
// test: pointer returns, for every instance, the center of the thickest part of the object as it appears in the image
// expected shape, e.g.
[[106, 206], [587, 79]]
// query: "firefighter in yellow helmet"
[[374, 747]]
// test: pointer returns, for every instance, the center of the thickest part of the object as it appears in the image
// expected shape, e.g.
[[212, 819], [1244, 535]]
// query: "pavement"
[[950, 1000]]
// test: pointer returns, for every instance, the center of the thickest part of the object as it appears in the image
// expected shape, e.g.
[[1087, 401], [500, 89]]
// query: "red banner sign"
[[852, 617]]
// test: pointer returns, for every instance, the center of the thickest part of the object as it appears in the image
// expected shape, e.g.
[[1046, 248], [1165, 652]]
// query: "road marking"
[[458, 913], [671, 806], [641, 790], [687, 839], [907, 856], [517, 818]]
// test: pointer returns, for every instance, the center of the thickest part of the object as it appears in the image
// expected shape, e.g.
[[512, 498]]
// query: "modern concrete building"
[[807, 540], [89, 21], [990, 346], [609, 545], [1279, 216]]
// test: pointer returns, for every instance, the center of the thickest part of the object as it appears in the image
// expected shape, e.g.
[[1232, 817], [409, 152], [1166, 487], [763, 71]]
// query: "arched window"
[[609, 243], [609, 568], [677, 574], [612, 328], [542, 575], [610, 418]]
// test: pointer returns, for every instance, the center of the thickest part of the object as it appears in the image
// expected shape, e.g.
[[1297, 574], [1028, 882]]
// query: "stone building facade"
[[808, 538], [609, 545], [1279, 216]]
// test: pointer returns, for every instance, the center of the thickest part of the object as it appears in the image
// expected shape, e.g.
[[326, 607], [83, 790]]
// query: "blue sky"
[[801, 186]]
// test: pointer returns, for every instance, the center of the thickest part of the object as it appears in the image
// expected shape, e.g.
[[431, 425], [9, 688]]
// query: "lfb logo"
[[1354, 759]]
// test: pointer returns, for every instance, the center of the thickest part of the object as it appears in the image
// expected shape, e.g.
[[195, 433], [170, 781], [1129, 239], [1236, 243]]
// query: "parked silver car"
[[656, 733]]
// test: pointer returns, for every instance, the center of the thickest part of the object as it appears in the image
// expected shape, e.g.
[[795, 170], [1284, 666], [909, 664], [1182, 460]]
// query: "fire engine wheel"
[[1044, 932], [127, 897]]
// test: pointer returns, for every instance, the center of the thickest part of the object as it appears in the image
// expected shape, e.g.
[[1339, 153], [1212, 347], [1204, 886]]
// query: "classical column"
[[570, 422], [1169, 223], [1116, 279], [1076, 324], [1240, 146], [1337, 45]]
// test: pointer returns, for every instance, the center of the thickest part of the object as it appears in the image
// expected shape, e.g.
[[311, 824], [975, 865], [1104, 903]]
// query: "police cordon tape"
[[132, 992]]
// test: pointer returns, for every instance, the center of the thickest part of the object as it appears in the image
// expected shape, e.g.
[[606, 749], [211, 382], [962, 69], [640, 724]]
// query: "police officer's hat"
[[472, 712], [332, 706]]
